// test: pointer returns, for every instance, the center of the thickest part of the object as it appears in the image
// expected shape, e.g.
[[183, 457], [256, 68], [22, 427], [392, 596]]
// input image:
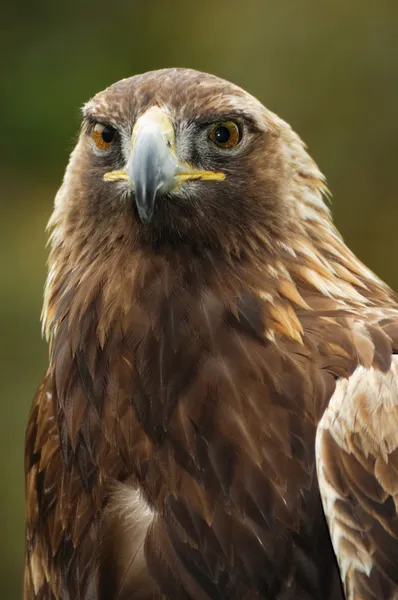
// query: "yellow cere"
[[116, 176], [200, 175], [184, 176]]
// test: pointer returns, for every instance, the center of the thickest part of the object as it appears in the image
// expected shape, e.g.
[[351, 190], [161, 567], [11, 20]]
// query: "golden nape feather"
[[219, 418]]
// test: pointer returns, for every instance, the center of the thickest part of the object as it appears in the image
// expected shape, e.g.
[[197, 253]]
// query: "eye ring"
[[104, 136], [226, 134]]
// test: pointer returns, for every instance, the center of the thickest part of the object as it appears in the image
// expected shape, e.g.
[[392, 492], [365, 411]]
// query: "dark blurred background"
[[330, 68]]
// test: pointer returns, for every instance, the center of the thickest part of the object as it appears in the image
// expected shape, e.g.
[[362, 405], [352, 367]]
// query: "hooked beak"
[[153, 168]]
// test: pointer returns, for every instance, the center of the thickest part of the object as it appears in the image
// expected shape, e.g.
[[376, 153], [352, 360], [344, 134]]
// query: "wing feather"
[[357, 466], [62, 516]]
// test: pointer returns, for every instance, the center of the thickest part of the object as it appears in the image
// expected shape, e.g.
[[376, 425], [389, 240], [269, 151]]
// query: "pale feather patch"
[[367, 404], [304, 247], [132, 508], [286, 321], [288, 289], [364, 407], [306, 198], [287, 247], [136, 516], [331, 287], [36, 569], [347, 560]]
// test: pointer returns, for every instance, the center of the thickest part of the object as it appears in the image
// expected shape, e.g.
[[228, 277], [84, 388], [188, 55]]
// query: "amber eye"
[[226, 134], [103, 136]]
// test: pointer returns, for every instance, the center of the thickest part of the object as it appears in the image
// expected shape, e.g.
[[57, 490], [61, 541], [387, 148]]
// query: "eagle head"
[[179, 176], [184, 159]]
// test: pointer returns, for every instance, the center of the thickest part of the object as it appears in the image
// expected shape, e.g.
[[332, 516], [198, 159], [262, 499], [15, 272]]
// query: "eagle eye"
[[226, 134], [104, 136]]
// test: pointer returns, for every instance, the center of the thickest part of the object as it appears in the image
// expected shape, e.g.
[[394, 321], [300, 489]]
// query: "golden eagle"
[[219, 418]]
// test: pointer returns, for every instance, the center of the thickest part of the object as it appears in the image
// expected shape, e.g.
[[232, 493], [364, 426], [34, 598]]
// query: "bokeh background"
[[330, 68]]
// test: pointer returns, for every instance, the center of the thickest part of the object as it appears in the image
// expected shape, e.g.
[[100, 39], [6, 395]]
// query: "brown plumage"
[[219, 418]]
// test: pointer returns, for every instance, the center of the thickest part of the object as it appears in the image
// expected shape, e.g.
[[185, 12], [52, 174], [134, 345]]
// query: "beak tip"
[[144, 215]]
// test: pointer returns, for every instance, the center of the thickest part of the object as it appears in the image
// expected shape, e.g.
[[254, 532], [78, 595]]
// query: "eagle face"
[[207, 172]]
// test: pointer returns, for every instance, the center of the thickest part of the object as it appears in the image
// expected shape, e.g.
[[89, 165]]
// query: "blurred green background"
[[330, 68]]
